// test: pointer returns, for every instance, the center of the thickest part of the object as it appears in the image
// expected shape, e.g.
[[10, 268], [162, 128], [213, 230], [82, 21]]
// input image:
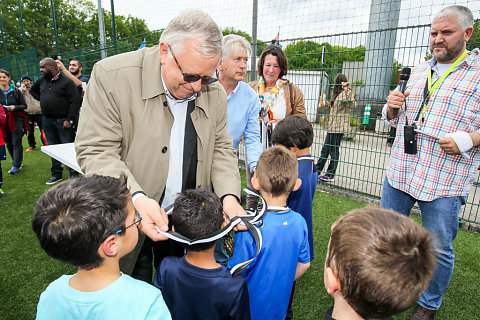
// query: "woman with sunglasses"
[[14, 105]]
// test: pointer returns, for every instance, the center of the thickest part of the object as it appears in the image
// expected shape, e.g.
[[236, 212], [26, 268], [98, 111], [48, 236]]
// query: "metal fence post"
[[54, 26]]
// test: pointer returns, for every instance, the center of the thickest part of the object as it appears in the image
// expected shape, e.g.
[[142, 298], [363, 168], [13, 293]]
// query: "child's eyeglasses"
[[130, 225], [188, 77]]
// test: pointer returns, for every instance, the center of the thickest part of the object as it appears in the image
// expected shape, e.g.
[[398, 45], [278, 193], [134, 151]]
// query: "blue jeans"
[[440, 217], [56, 134]]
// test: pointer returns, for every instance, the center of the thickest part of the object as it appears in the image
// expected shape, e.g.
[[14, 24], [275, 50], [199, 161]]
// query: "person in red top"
[[3, 155], [17, 124]]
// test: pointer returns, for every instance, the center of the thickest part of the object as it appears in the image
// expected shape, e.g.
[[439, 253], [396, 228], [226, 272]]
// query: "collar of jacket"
[[152, 84]]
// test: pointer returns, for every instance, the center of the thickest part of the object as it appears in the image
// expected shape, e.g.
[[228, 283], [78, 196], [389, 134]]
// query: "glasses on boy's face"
[[188, 77], [130, 225]]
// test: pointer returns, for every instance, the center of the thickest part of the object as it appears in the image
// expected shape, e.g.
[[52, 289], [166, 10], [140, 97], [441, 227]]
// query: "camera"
[[410, 139], [56, 57]]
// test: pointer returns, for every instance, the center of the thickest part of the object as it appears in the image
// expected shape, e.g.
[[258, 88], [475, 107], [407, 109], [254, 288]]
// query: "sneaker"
[[421, 313], [325, 178], [31, 148], [54, 180], [2, 193], [14, 170]]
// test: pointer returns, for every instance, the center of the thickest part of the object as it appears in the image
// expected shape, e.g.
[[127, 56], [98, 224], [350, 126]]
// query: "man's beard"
[[75, 72], [48, 75], [450, 53]]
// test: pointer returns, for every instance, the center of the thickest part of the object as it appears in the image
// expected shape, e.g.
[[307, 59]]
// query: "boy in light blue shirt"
[[91, 223]]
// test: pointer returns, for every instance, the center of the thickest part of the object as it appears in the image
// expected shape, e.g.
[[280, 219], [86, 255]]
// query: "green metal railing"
[[314, 62]]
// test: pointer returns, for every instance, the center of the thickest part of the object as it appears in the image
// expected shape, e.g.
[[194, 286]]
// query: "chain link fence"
[[367, 41]]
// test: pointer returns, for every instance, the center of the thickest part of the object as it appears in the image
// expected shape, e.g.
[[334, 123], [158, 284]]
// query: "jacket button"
[[164, 149], [165, 103]]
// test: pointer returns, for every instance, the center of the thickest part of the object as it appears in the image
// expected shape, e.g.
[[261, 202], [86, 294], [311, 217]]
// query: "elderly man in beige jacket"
[[158, 116]]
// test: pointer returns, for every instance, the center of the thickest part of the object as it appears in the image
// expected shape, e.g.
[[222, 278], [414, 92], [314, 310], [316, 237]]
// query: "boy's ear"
[[332, 283], [297, 185], [255, 182], [110, 246]]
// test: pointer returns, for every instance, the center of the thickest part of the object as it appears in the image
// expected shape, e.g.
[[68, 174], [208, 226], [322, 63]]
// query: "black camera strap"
[[426, 99]]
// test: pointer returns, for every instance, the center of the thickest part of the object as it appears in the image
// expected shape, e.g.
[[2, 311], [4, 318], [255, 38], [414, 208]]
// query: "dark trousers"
[[156, 252], [14, 142], [32, 119], [56, 134], [330, 148]]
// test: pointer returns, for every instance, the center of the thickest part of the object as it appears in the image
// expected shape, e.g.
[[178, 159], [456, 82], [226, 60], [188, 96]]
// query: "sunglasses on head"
[[188, 77]]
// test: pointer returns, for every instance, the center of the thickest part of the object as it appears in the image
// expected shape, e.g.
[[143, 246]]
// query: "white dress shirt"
[[177, 137]]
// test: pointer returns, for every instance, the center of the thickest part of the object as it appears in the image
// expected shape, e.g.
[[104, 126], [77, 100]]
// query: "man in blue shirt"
[[243, 106]]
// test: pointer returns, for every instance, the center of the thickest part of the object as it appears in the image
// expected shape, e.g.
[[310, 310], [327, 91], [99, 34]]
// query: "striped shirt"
[[453, 106]]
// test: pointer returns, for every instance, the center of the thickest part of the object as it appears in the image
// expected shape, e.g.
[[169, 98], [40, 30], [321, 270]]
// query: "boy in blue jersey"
[[285, 253], [90, 223], [196, 286], [296, 134]]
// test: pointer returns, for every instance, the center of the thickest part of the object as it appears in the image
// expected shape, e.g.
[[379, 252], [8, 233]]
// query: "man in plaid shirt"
[[445, 112]]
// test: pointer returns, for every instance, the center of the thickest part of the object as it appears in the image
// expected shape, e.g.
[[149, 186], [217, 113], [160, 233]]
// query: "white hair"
[[233, 43], [194, 24], [463, 14]]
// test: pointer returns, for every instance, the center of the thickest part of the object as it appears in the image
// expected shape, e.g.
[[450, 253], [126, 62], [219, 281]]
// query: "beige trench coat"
[[125, 126]]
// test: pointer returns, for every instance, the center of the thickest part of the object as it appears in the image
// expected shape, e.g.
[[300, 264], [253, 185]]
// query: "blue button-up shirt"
[[243, 107]]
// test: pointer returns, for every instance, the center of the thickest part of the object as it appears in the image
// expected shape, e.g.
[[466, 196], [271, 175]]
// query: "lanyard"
[[437, 83]]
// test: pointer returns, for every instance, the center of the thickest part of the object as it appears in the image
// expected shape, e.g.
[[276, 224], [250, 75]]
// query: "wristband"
[[137, 195], [462, 140]]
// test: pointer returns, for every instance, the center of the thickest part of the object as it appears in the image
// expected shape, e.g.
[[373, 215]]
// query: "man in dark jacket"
[[60, 101]]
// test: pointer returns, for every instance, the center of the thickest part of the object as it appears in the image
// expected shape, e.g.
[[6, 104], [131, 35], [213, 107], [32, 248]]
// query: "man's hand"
[[60, 65], [394, 101], [458, 142], [67, 124], [9, 108], [232, 208], [449, 146], [152, 215]]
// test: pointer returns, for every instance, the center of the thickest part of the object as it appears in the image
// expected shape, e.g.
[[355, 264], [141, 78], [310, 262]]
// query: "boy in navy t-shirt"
[[296, 134], [196, 286], [285, 254]]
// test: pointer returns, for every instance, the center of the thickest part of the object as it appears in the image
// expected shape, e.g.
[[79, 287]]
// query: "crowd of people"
[[52, 103], [159, 129]]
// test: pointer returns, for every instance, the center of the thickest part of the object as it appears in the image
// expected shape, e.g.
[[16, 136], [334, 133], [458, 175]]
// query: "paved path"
[[362, 168]]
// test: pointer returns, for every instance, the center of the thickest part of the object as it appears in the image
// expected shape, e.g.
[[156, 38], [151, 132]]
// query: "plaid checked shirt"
[[453, 106]]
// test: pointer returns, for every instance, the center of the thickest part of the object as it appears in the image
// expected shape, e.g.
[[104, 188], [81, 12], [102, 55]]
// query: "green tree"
[[307, 55], [261, 45], [474, 41], [77, 26]]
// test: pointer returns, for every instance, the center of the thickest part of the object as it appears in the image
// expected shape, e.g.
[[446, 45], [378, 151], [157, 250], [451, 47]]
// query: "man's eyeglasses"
[[188, 77], [130, 225]]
